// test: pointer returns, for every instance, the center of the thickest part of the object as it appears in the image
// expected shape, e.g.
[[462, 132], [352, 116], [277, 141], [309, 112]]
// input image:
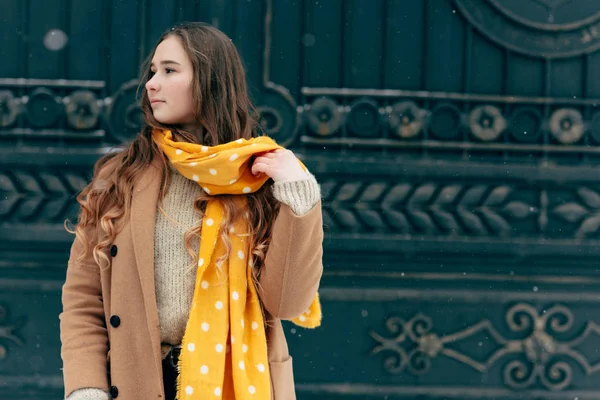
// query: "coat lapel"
[[143, 213]]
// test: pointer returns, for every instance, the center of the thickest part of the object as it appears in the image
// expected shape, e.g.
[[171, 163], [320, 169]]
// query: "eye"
[[169, 70]]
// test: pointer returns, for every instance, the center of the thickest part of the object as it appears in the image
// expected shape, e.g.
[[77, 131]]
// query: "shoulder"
[[106, 169], [119, 169]]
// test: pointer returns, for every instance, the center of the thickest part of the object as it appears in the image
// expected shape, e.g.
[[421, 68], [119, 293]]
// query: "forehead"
[[170, 49]]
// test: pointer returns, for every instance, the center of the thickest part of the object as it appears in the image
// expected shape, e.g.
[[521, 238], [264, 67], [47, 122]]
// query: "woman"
[[192, 244]]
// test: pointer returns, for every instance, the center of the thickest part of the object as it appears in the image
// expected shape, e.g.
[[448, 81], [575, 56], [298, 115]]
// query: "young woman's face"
[[170, 86]]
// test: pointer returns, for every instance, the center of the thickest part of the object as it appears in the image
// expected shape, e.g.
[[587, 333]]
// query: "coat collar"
[[143, 213]]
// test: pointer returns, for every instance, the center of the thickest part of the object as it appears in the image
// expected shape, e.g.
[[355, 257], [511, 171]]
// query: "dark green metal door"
[[457, 143]]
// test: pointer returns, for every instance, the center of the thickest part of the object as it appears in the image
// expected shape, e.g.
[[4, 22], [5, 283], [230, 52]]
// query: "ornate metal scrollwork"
[[323, 116], [417, 361], [279, 113], [539, 355], [9, 108], [406, 119], [543, 29], [270, 120], [124, 113], [487, 123], [82, 109], [566, 125]]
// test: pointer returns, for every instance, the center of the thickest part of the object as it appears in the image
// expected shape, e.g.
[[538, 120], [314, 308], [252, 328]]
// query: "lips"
[[155, 101]]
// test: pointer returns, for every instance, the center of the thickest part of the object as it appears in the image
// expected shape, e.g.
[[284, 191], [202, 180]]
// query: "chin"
[[165, 120]]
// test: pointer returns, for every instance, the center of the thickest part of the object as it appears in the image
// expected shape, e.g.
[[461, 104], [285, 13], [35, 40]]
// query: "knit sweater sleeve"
[[300, 195], [88, 394]]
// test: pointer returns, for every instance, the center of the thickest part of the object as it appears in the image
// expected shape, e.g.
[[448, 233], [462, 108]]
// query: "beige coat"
[[125, 356]]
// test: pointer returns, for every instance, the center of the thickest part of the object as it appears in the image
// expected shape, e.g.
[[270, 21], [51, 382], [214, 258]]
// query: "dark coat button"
[[114, 392], [113, 250], [115, 321]]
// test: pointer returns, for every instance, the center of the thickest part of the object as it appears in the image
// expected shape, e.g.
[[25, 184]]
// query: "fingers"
[[263, 159], [269, 162], [260, 167]]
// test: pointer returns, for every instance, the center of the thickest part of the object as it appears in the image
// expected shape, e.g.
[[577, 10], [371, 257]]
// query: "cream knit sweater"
[[174, 279], [174, 272]]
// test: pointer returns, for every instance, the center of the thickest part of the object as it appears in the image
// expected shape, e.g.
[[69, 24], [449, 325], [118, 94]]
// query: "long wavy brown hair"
[[223, 113]]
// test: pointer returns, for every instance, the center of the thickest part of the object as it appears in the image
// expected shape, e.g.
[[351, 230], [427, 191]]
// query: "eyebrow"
[[165, 62]]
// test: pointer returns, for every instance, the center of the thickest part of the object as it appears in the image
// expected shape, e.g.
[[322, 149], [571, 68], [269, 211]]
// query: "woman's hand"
[[279, 165]]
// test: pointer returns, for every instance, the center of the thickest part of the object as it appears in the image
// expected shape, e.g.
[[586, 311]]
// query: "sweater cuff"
[[301, 196], [88, 394]]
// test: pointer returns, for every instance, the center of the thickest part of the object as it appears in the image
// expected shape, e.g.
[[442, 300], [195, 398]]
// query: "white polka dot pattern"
[[224, 290]]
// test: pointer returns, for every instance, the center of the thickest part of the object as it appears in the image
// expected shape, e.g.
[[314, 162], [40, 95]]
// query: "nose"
[[152, 84]]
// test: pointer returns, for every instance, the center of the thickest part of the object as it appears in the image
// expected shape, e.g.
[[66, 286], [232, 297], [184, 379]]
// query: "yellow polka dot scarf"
[[224, 348]]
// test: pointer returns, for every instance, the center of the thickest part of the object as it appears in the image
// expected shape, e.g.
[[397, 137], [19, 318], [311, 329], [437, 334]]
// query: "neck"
[[190, 131]]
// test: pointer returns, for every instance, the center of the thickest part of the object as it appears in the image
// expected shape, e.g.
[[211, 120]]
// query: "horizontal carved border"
[[402, 120], [40, 109], [457, 209], [408, 207], [43, 195]]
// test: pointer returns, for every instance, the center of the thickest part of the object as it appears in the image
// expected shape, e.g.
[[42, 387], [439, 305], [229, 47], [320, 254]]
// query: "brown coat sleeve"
[[293, 265], [83, 333]]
